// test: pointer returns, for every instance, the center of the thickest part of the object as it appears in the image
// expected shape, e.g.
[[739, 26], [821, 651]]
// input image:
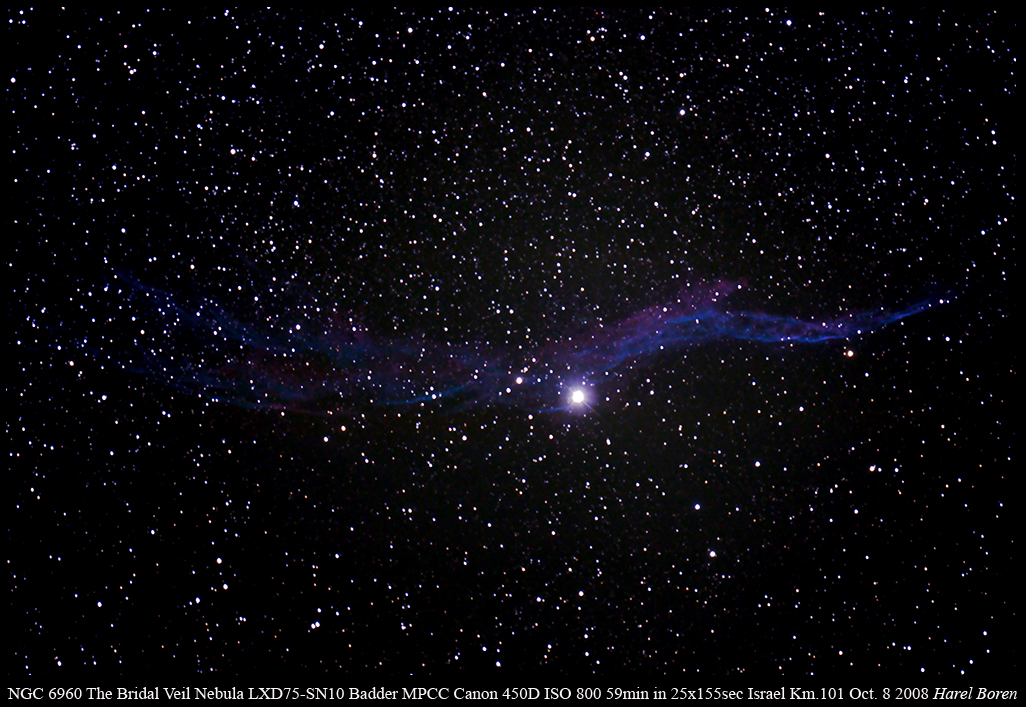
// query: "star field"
[[532, 342]]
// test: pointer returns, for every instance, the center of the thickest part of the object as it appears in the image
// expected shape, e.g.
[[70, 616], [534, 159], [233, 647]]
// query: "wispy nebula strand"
[[334, 365]]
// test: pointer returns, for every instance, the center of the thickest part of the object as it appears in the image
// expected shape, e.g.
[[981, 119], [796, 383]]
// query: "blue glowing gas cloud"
[[332, 364]]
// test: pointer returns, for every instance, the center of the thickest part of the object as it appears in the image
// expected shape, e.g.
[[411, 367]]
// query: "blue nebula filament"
[[336, 365]]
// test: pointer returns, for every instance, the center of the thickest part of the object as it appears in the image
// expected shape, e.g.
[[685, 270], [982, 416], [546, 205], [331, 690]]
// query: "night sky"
[[536, 343]]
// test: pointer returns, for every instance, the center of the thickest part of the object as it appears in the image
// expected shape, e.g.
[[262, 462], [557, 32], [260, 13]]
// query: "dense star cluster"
[[542, 342]]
